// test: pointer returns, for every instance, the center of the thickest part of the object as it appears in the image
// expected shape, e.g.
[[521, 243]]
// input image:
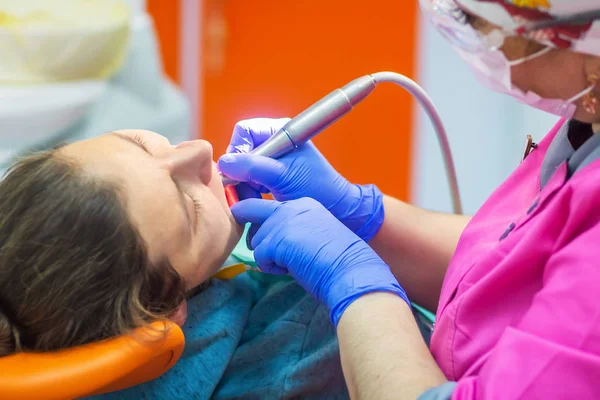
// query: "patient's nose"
[[192, 160]]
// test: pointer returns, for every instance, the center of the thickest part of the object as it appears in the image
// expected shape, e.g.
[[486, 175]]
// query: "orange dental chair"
[[94, 368]]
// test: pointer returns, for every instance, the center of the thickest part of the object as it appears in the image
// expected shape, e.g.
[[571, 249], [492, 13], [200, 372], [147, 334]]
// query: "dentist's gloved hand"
[[301, 173], [303, 238]]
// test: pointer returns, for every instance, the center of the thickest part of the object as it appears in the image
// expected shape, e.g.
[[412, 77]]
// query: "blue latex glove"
[[331, 262], [302, 173]]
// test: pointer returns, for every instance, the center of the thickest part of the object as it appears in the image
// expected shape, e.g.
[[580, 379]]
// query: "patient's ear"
[[179, 315]]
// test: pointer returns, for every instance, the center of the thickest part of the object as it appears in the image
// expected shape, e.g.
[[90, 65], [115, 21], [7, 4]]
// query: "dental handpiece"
[[313, 120], [340, 102]]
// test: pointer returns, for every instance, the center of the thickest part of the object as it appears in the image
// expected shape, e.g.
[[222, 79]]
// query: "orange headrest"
[[94, 368]]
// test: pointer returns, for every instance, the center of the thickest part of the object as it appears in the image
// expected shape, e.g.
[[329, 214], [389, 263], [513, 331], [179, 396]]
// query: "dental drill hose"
[[338, 103], [438, 126]]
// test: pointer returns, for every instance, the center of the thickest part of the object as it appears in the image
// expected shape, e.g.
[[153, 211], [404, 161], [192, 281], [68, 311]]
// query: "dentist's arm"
[[383, 354], [416, 244]]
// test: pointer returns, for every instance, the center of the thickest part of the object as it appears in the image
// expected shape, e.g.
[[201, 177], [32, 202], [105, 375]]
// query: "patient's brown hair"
[[73, 268]]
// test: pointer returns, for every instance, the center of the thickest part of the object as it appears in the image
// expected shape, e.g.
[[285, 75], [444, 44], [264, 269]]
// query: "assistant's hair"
[[73, 268]]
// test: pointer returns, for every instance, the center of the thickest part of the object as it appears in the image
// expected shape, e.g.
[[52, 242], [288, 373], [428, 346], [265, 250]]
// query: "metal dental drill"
[[338, 103]]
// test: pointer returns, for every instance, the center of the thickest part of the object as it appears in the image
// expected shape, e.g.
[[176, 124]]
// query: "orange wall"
[[281, 56]]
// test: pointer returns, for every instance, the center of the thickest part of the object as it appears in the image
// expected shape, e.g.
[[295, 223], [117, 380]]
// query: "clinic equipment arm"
[[418, 244], [383, 354]]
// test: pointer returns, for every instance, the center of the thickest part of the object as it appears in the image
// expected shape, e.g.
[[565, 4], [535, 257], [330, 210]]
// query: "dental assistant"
[[514, 287]]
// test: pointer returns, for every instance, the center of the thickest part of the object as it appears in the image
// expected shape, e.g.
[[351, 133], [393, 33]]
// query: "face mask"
[[493, 70]]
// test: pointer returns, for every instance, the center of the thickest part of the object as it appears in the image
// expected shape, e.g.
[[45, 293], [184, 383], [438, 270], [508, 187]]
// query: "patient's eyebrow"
[[131, 140]]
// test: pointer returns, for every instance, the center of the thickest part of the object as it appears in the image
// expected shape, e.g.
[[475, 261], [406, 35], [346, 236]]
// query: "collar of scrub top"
[[587, 153], [576, 144]]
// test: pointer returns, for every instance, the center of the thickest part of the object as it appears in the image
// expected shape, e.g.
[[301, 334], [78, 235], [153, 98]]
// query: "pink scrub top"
[[519, 311]]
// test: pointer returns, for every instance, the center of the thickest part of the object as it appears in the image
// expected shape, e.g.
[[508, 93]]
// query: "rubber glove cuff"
[[341, 296], [361, 210]]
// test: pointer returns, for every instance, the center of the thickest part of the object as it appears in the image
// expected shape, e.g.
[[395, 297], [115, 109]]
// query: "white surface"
[[139, 96], [97, 13], [486, 130], [142, 73], [137, 7], [62, 40], [30, 115]]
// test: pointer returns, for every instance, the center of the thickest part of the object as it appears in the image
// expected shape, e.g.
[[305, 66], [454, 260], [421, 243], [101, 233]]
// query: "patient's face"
[[174, 197]]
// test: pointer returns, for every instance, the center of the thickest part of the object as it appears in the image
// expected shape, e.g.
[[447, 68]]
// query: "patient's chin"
[[238, 230], [219, 252], [179, 315], [236, 234]]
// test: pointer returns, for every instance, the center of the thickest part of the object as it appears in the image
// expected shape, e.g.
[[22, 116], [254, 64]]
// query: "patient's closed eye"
[[136, 139], [141, 141]]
